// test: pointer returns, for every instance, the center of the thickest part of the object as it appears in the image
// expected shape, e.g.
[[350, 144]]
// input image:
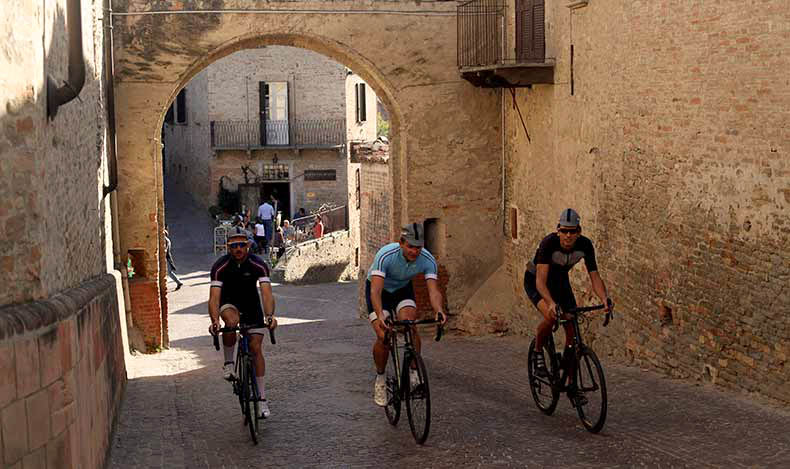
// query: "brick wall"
[[147, 312], [62, 375], [375, 225], [673, 148]]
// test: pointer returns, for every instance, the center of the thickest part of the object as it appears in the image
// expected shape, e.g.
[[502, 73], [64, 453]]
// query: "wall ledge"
[[18, 320]]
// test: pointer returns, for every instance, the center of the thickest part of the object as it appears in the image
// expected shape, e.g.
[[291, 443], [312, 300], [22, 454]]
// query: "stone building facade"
[[62, 326], [670, 139], [311, 107]]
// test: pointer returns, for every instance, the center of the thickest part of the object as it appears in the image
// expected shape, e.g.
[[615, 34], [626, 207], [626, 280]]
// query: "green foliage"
[[382, 127]]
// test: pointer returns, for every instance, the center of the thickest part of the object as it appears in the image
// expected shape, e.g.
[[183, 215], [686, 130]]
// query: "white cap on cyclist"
[[569, 218]]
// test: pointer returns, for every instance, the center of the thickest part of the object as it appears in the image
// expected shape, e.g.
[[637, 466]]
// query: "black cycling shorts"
[[392, 302], [561, 292]]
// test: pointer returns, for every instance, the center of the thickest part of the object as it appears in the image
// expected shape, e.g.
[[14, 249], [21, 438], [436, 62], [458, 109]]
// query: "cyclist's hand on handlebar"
[[381, 329], [441, 317], [609, 305], [213, 329], [272, 323]]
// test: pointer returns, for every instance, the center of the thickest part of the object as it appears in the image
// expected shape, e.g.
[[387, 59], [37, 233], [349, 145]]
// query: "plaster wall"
[[669, 136]]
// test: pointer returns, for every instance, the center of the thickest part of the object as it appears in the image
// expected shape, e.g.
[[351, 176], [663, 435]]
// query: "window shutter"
[[530, 30], [356, 101], [362, 104]]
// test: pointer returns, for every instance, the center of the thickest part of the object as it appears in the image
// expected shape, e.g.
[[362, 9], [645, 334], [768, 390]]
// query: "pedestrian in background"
[[170, 263]]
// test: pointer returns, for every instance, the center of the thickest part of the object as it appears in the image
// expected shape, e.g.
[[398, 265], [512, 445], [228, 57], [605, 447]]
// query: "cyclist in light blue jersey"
[[388, 290]]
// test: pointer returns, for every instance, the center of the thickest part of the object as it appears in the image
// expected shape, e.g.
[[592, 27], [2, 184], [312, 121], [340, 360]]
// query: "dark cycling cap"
[[414, 234], [569, 217], [237, 232]]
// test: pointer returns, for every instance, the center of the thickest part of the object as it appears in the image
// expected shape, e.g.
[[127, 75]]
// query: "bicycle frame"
[[408, 346]]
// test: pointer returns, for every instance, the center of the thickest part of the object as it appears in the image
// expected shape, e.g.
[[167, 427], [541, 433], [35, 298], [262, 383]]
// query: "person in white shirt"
[[266, 214], [260, 235]]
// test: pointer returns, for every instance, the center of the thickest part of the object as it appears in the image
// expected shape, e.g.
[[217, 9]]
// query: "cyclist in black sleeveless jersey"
[[546, 278], [236, 279]]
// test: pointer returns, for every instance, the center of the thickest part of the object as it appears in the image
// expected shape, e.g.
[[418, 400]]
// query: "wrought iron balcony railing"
[[320, 133]]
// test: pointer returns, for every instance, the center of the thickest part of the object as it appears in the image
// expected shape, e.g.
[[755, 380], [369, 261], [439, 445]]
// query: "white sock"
[[380, 377], [261, 389], [228, 351]]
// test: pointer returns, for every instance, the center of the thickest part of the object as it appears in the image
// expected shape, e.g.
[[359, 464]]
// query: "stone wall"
[[672, 145], [48, 168], [328, 259], [62, 376], [445, 139], [187, 147]]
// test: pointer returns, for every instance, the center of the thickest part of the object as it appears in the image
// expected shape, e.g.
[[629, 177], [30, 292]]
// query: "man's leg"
[[544, 328], [409, 313], [230, 316], [256, 349], [380, 356]]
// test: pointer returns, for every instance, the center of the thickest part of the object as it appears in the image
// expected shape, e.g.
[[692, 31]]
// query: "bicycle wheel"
[[542, 391], [591, 391], [418, 399], [392, 408], [250, 400]]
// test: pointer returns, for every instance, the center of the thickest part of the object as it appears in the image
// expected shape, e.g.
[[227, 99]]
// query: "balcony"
[[483, 56], [298, 134]]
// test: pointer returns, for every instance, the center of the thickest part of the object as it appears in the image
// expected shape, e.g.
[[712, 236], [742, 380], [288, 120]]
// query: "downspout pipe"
[[109, 74], [60, 95]]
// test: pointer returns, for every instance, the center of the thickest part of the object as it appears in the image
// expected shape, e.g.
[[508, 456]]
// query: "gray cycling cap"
[[237, 232], [414, 234], [570, 218]]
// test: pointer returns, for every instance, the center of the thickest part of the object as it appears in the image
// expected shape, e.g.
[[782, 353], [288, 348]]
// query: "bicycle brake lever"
[[439, 332], [216, 341]]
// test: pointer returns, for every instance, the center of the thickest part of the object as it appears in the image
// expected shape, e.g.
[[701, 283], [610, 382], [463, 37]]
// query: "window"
[[530, 30], [434, 237], [181, 107], [361, 108]]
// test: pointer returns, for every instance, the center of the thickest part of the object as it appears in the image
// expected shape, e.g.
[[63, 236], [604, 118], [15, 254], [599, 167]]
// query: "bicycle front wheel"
[[418, 398], [542, 390], [251, 402], [393, 393], [591, 391]]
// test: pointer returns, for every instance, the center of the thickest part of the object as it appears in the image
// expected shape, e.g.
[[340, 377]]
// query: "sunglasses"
[[568, 230], [237, 245]]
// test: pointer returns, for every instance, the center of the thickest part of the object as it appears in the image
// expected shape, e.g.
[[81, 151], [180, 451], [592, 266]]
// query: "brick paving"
[[178, 412]]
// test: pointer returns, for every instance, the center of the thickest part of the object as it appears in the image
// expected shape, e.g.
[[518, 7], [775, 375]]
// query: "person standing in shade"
[[318, 227], [266, 214]]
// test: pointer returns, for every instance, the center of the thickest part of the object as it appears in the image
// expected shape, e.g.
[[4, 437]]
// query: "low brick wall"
[[62, 375], [147, 312], [328, 259]]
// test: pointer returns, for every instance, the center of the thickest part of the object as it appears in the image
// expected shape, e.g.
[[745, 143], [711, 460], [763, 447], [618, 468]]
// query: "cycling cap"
[[414, 234], [569, 217], [237, 232]]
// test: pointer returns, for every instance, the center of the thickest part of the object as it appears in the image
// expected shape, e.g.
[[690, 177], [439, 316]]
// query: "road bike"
[[579, 365], [245, 386], [400, 387]]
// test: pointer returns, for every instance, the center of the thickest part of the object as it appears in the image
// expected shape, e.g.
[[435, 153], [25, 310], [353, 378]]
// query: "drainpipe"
[[58, 96], [109, 74]]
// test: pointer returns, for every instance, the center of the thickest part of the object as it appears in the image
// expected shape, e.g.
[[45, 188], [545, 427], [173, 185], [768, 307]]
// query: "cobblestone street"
[[178, 412]]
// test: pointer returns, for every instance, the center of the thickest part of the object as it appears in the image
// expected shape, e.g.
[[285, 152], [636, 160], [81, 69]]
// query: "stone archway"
[[445, 129]]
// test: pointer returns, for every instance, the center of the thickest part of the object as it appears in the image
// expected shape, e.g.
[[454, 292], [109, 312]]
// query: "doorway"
[[281, 192]]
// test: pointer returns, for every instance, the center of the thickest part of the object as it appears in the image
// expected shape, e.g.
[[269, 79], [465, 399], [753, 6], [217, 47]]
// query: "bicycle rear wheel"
[[392, 408], [591, 391], [418, 399], [251, 402], [542, 391]]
